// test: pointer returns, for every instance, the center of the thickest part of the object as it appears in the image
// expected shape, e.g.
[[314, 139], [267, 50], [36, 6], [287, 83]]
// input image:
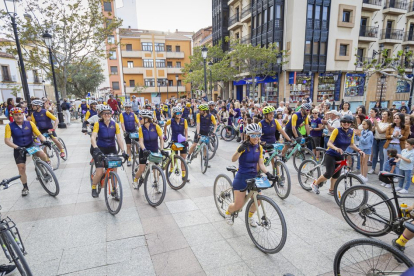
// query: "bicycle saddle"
[[409, 226], [388, 177], [268, 146], [231, 169], [320, 149]]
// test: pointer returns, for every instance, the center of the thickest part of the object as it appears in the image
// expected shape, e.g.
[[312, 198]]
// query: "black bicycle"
[[10, 240]]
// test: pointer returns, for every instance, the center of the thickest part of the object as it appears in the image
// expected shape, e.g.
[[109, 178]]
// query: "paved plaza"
[[73, 234]]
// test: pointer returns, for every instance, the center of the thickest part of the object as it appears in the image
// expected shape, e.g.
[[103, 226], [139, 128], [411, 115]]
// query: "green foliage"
[[140, 89]]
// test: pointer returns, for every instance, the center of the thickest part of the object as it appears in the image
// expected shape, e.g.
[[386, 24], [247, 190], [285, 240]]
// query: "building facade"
[[220, 23], [203, 37]]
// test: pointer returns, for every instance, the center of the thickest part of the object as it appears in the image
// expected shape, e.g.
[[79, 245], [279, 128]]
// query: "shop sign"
[[354, 85], [403, 86]]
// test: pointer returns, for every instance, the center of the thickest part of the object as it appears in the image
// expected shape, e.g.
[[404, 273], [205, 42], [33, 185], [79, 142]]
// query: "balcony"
[[368, 33], [174, 70], [8, 78], [234, 22], [371, 5], [131, 54], [391, 36], [170, 89], [396, 7], [410, 12], [231, 2], [246, 14], [134, 70], [246, 39], [408, 38], [175, 54]]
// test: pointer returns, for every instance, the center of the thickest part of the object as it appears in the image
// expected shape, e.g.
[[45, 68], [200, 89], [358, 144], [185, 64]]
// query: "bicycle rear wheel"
[[370, 257], [223, 193], [228, 133], [135, 164], [113, 193], [47, 178], [302, 155], [54, 157], [204, 158], [212, 147], [155, 186], [343, 183], [174, 175], [64, 148], [282, 185], [270, 232], [16, 253], [308, 172], [367, 210]]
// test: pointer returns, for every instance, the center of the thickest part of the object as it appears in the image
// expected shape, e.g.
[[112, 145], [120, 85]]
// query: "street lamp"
[[125, 91], [11, 11], [204, 52], [211, 79], [191, 85], [279, 67], [176, 78], [383, 78], [48, 41]]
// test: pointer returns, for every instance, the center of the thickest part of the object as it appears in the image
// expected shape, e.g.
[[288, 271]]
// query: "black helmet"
[[347, 119]]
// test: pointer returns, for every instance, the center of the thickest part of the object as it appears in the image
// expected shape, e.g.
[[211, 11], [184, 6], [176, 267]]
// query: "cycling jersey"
[[296, 120], [43, 119], [249, 159], [106, 134], [177, 128], [84, 107], [113, 104], [341, 139], [129, 121], [269, 130], [165, 108], [150, 136], [22, 135], [205, 123], [213, 112], [157, 114], [90, 113], [186, 111]]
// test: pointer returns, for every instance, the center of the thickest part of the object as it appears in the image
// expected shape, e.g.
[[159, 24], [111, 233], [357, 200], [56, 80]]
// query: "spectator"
[[316, 128], [380, 128], [409, 120], [374, 115], [135, 105], [365, 144], [406, 160], [412, 109], [390, 165], [10, 105], [345, 109], [359, 118], [362, 110], [281, 107], [331, 122], [404, 107], [66, 113]]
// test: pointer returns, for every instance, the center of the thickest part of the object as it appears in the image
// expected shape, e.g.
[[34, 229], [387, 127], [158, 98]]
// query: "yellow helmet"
[[203, 107], [268, 109], [188, 105]]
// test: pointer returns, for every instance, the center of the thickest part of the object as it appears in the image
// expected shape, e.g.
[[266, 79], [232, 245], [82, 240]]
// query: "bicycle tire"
[[365, 210], [54, 157], [306, 178], [64, 148], [225, 196], [16, 254], [167, 167], [340, 187], [283, 185], [113, 209], [266, 226], [212, 148], [43, 166], [301, 155], [153, 185], [135, 165], [225, 133], [376, 260], [204, 158]]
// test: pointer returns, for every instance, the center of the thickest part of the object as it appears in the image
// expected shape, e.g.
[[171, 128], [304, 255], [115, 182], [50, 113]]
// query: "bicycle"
[[370, 257], [173, 168], [228, 133], [310, 171], [202, 148], [110, 181], [10, 240], [223, 197], [49, 137], [152, 188], [134, 146], [371, 212]]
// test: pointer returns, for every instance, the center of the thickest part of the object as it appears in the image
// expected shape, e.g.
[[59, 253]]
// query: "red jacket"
[[113, 104]]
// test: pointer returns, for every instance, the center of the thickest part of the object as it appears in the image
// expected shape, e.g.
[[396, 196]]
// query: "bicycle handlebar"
[[5, 182]]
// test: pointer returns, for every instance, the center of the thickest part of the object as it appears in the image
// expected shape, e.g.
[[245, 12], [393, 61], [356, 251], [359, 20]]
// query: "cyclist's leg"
[[42, 155], [128, 147], [194, 144], [142, 166], [403, 239], [58, 144], [21, 166], [239, 184]]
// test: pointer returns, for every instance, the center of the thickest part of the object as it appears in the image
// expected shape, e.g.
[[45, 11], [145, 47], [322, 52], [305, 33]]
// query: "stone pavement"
[[73, 234]]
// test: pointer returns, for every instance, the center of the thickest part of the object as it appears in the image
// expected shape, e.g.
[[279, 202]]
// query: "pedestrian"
[[366, 139], [65, 110], [390, 165], [10, 105], [379, 127], [345, 109], [316, 128], [406, 160]]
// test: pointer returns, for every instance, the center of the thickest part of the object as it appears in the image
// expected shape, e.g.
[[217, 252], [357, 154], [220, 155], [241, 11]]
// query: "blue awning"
[[258, 80]]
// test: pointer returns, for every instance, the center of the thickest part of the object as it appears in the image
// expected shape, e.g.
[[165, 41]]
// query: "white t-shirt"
[[343, 113], [396, 140], [383, 126], [335, 124]]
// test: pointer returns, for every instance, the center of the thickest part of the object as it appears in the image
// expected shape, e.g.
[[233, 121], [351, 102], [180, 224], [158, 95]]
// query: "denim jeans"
[[407, 179], [378, 149], [326, 139], [397, 167]]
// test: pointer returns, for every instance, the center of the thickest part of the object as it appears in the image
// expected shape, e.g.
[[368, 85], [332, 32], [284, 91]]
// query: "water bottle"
[[404, 209], [266, 159], [302, 141]]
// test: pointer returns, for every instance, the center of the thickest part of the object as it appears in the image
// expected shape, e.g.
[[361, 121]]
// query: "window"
[[131, 83], [149, 82], [310, 11], [148, 63], [322, 50], [169, 48], [169, 64], [178, 64], [317, 12], [111, 39], [112, 55], [346, 16], [114, 70], [129, 47], [278, 13], [179, 83], [177, 48], [325, 13], [160, 63], [5, 73], [130, 64], [115, 85], [35, 77], [315, 47], [170, 83], [107, 6], [270, 14], [159, 47], [343, 50], [307, 47], [147, 46], [162, 82]]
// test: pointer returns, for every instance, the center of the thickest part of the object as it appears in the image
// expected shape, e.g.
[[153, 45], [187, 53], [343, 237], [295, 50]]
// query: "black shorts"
[[100, 164], [43, 131], [184, 150], [196, 136], [127, 139], [331, 165], [289, 133], [142, 159], [165, 113], [19, 157]]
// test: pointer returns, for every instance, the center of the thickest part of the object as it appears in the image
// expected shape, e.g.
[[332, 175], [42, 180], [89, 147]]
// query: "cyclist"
[[270, 125], [341, 138], [103, 142], [93, 119], [204, 121], [158, 113], [165, 110], [83, 108], [22, 133], [212, 107], [135, 105], [179, 126], [92, 111], [128, 121], [295, 122], [149, 134], [43, 120], [113, 104], [187, 111], [250, 156]]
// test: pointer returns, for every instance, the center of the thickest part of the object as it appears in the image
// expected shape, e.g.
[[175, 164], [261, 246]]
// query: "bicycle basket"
[[32, 150], [155, 158], [134, 135], [278, 146], [177, 146], [205, 139], [263, 183], [113, 162]]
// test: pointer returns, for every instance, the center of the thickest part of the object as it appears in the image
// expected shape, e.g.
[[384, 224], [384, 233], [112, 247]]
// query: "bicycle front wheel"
[[370, 257], [343, 183], [223, 193], [113, 193], [174, 172], [367, 210], [64, 148], [204, 158], [16, 254], [155, 186], [282, 185], [212, 147], [309, 171], [227, 133], [47, 178], [269, 231], [54, 157], [302, 155]]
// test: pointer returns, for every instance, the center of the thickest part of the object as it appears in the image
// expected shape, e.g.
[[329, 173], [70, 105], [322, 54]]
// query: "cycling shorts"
[[109, 150], [19, 157], [239, 182]]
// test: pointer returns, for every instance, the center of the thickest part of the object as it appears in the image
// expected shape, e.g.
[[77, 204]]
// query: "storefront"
[[354, 90], [301, 87], [268, 88], [403, 86], [329, 85], [372, 105]]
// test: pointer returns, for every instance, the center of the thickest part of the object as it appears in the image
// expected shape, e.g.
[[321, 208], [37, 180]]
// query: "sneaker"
[[371, 171], [229, 219], [315, 188], [25, 191], [331, 192], [6, 269], [403, 191], [135, 185], [398, 189], [383, 184], [252, 222], [388, 186], [396, 180], [94, 193], [129, 163], [396, 245]]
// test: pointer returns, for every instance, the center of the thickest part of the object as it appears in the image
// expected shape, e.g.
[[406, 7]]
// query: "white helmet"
[[128, 104], [105, 108], [253, 128], [92, 102], [145, 113], [211, 103], [37, 102], [99, 107], [257, 105], [83, 100], [176, 109]]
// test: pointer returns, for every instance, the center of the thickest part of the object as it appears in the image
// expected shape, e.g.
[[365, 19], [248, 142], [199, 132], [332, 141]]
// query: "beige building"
[[203, 37]]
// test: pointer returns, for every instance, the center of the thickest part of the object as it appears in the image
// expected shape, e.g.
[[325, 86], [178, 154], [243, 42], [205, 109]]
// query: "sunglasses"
[[178, 113], [106, 113], [315, 113], [255, 135], [347, 122]]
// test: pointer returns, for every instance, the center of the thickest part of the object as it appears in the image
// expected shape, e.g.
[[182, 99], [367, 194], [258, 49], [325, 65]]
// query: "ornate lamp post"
[[204, 52]]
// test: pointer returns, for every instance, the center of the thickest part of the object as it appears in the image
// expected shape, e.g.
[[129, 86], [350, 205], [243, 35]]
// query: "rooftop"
[[168, 35]]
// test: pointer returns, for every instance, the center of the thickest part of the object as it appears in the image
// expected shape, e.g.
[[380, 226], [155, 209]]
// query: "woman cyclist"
[[270, 125], [103, 142], [149, 134], [128, 121], [341, 138], [250, 155], [91, 112]]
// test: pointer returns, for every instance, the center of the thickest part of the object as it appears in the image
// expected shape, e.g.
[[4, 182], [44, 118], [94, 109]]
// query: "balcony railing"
[[234, 19], [392, 34], [368, 31], [246, 11], [395, 4], [246, 39], [409, 36], [372, 2]]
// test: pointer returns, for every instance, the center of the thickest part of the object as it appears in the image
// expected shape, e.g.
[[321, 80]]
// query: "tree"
[[79, 31], [140, 89]]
